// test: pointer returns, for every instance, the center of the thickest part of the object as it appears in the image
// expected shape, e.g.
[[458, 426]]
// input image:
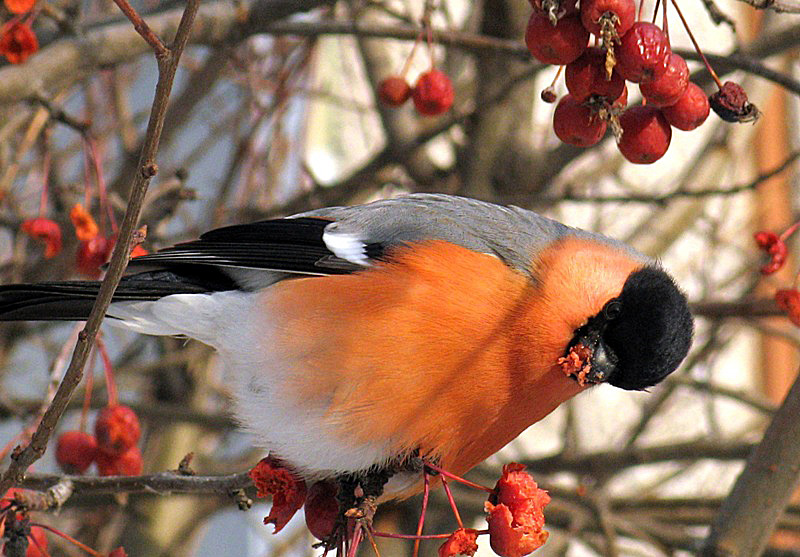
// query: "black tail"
[[72, 301]]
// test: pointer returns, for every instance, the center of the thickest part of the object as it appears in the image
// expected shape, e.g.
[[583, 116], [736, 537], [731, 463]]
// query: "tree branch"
[[167, 66]]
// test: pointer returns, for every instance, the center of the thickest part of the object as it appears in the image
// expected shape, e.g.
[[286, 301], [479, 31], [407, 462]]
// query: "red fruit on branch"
[[559, 44], [128, 463], [461, 542], [645, 134], [44, 230], [776, 248], [789, 301], [643, 53], [667, 89], [433, 94], [600, 16], [321, 509], [92, 254], [272, 478], [75, 451], [622, 100], [116, 429], [576, 124], [731, 104], [394, 90], [586, 76], [17, 41], [690, 111], [516, 513]]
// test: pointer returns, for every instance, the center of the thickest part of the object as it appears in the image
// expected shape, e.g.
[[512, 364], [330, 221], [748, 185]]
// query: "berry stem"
[[789, 231], [411, 536], [697, 46], [452, 502], [111, 384], [101, 182], [426, 491], [69, 538], [45, 182], [447, 474], [407, 64]]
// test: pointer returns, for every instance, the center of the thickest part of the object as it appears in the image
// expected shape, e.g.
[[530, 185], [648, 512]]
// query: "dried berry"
[[128, 463], [690, 111], [559, 44], [645, 134], [75, 451], [461, 542], [433, 94], [47, 231], [272, 478], [17, 41], [85, 226], [321, 509], [116, 429], [586, 76], [776, 248], [576, 124], [516, 513], [548, 95], [667, 89], [394, 90], [643, 53], [731, 104]]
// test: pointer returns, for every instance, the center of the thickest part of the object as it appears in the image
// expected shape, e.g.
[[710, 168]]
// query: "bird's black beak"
[[588, 359]]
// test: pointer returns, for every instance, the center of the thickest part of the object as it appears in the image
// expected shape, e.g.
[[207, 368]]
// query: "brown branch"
[[677, 194], [162, 484], [167, 66], [780, 6], [752, 308], [143, 29], [763, 489]]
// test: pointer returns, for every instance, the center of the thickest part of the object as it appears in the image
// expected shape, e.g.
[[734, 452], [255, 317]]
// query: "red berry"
[[117, 429], [576, 124], [46, 231], [667, 89], [593, 12], [731, 104], [559, 44], [75, 451], [128, 463], [586, 76], [433, 94], [645, 134], [38, 542], [92, 254], [321, 509], [643, 53], [394, 90], [690, 111]]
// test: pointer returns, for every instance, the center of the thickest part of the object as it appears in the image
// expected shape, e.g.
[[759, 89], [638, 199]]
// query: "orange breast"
[[442, 349]]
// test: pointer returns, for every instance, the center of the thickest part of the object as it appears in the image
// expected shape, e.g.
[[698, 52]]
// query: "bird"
[[427, 326]]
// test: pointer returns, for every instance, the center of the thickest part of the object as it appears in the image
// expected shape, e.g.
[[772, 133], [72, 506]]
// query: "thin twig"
[[167, 66]]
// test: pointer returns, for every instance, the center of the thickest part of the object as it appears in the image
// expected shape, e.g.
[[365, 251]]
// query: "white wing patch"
[[346, 246]]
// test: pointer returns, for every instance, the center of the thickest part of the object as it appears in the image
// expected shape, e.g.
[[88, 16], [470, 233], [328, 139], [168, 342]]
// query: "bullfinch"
[[427, 325]]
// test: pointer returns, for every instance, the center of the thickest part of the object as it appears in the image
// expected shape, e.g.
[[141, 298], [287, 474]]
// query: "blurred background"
[[274, 111]]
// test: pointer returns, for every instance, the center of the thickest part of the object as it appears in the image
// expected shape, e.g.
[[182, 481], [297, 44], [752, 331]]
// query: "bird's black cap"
[[651, 331]]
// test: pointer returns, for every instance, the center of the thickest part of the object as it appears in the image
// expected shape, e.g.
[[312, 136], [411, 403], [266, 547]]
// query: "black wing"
[[292, 245]]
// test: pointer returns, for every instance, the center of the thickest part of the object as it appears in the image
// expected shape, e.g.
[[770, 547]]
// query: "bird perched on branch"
[[427, 325]]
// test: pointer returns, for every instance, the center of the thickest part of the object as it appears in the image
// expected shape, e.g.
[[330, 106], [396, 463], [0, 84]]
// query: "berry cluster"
[[639, 52], [112, 447], [514, 510], [432, 94], [777, 252]]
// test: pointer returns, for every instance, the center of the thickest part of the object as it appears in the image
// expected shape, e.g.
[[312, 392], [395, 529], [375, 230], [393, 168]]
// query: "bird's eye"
[[612, 309]]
